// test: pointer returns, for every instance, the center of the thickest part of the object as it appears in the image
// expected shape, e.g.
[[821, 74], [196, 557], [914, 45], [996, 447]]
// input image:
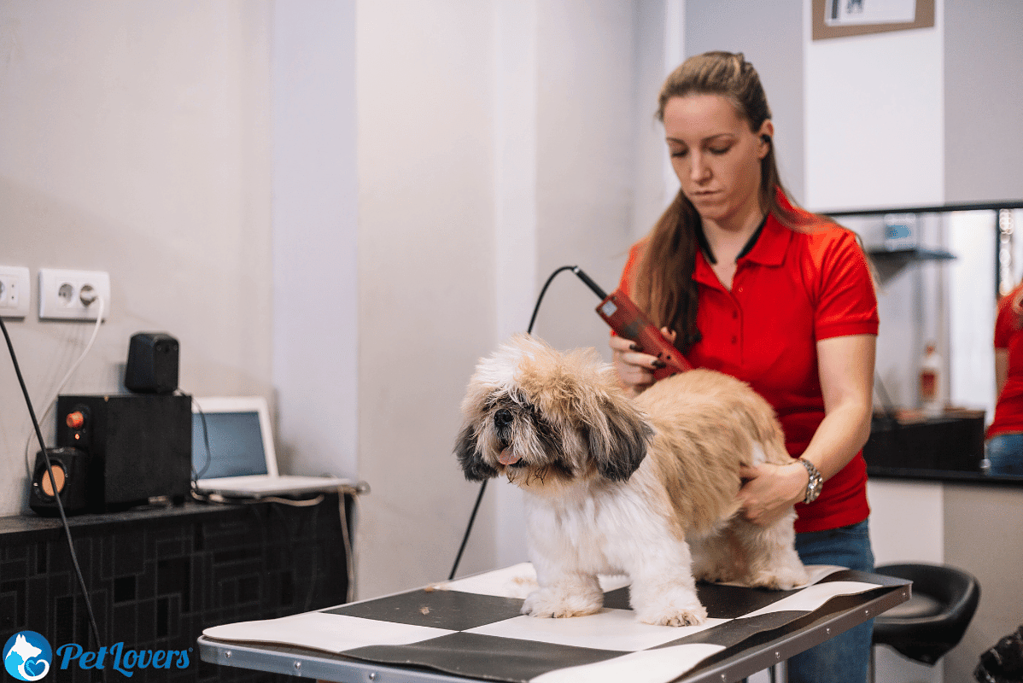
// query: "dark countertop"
[[14, 527], [943, 476]]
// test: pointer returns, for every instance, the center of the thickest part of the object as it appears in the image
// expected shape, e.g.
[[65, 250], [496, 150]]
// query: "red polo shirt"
[[1008, 337], [790, 290]]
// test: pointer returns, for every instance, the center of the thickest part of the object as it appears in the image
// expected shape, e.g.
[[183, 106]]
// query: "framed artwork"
[[839, 18]]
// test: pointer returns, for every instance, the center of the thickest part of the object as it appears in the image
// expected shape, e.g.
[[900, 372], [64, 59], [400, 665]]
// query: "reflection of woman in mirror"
[[1005, 435]]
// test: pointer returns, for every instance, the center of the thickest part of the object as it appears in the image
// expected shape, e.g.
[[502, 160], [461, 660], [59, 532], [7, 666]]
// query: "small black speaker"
[[152, 364], [72, 476]]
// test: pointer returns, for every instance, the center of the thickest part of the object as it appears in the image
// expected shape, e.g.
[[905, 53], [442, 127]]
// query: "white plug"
[[69, 294], [87, 295]]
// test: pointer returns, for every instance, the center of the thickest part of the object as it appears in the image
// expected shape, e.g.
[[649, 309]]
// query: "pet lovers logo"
[[28, 657]]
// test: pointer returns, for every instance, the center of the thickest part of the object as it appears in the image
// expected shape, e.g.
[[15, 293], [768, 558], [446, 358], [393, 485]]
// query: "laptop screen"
[[236, 444]]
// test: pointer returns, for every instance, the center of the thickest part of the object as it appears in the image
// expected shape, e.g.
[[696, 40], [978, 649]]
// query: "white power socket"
[[15, 291], [71, 294]]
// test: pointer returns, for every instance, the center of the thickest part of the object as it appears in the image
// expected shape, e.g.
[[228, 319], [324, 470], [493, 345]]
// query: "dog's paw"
[[681, 610], [716, 574], [681, 617], [780, 578], [547, 604]]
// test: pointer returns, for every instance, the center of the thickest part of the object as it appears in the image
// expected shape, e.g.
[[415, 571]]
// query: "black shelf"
[[933, 208], [909, 255]]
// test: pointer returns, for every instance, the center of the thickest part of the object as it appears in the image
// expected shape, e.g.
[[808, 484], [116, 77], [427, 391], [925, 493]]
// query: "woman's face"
[[716, 157]]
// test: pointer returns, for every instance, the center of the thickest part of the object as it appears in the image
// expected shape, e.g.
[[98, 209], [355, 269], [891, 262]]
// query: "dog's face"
[[543, 418]]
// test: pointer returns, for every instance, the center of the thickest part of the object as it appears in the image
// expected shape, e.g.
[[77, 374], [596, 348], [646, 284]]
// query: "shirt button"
[[735, 340], [735, 315]]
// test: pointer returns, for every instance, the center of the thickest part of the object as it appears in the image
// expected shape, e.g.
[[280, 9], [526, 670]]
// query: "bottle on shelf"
[[930, 382]]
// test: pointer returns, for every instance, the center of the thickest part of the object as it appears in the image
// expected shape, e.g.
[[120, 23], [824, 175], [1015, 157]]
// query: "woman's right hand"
[[635, 369]]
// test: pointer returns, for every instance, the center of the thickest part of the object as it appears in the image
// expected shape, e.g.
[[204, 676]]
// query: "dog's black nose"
[[503, 418]]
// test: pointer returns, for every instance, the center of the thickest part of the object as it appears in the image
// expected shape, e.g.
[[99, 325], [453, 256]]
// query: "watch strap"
[[815, 483]]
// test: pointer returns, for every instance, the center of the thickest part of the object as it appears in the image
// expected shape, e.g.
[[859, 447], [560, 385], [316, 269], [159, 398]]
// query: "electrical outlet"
[[15, 291], [73, 294]]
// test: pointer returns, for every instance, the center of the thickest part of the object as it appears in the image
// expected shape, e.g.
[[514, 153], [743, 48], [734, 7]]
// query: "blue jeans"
[[1005, 453], [846, 657]]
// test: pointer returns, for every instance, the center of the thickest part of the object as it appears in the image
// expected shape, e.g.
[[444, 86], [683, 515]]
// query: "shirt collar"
[[701, 239], [767, 247], [770, 248]]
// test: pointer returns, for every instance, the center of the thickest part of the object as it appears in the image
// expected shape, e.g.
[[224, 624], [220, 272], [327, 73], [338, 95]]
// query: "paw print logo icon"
[[27, 656]]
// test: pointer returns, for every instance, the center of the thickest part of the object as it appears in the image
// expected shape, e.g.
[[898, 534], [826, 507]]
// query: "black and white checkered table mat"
[[473, 627]]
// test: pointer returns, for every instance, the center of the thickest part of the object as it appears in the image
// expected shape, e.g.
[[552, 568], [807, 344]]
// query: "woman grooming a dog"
[[744, 282]]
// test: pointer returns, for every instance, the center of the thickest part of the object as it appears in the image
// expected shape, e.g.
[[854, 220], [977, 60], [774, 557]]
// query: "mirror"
[[940, 271]]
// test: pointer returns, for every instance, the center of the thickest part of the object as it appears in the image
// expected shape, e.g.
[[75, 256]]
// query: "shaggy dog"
[[613, 485]]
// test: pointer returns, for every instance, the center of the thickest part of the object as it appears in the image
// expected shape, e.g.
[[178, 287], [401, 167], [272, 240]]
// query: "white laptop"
[[240, 461]]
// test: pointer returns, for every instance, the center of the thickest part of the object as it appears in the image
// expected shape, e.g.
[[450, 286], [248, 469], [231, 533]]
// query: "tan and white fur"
[[615, 485]]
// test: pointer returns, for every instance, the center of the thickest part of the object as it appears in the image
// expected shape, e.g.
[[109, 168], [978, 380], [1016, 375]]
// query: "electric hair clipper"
[[628, 321]]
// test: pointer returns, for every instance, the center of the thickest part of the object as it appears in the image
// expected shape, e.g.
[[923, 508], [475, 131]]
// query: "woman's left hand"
[[770, 490]]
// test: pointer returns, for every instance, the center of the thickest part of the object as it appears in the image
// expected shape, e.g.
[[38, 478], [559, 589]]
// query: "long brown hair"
[[664, 287]]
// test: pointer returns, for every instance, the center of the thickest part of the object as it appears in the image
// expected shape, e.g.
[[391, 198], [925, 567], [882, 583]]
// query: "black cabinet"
[[158, 576]]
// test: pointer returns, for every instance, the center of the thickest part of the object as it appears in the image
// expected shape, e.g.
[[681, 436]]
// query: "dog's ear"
[[618, 444], [469, 458]]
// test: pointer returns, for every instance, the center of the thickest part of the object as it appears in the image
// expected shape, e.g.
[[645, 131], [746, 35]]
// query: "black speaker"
[[72, 476], [140, 445], [152, 363]]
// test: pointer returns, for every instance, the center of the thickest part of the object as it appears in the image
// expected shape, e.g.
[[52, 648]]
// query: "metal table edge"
[[744, 664]]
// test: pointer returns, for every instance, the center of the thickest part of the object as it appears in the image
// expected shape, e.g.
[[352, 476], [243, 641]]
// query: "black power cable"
[[483, 486], [56, 491]]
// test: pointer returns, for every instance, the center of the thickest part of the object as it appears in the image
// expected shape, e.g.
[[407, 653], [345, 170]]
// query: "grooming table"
[[471, 629]]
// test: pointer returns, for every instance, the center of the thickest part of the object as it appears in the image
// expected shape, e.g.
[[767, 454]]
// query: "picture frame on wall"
[[840, 18]]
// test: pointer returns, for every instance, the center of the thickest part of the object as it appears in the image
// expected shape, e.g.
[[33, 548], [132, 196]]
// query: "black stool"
[[934, 619]]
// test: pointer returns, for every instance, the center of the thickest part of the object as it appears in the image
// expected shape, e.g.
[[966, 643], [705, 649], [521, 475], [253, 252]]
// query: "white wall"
[[586, 120], [496, 143], [426, 304], [516, 74], [874, 119]]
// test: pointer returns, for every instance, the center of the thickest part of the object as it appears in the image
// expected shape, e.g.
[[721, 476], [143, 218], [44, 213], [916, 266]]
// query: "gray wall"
[[982, 536], [315, 236], [135, 139], [983, 92], [770, 35]]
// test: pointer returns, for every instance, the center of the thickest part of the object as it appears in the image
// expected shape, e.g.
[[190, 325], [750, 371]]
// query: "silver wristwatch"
[[813, 487]]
